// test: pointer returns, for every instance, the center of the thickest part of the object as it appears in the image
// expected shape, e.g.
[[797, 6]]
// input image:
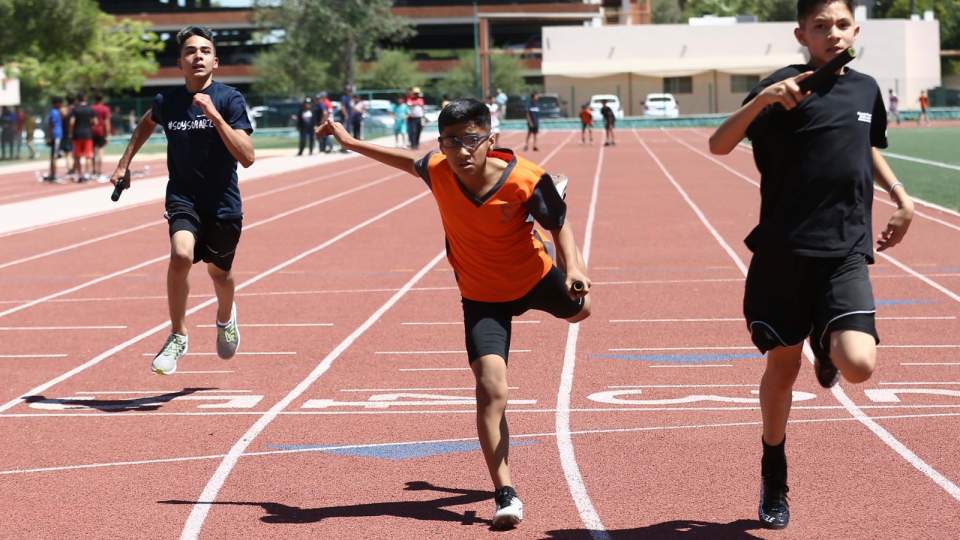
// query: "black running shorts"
[[487, 325], [789, 297], [216, 239]]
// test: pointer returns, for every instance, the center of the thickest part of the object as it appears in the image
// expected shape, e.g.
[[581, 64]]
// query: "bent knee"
[[181, 258], [584, 312], [860, 366]]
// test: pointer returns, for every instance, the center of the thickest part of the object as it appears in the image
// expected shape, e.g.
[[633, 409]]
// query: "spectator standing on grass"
[[102, 130], [494, 114], [305, 126], [54, 135], [8, 121], [29, 125], [922, 119], [81, 133], [415, 117], [358, 110], [21, 118], [400, 112], [894, 105]]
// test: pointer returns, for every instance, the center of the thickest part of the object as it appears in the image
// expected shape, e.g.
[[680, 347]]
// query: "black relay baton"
[[121, 185], [827, 70]]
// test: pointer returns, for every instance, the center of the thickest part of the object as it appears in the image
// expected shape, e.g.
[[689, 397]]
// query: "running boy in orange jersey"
[[586, 123], [818, 159], [485, 196]]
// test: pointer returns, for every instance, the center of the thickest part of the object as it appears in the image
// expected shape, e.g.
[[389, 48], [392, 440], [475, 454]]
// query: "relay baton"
[[827, 70], [121, 185], [577, 286]]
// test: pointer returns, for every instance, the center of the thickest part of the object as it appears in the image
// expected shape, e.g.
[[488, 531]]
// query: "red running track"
[[351, 413]]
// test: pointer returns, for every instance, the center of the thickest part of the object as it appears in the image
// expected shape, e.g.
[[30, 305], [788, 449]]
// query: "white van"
[[596, 103], [662, 105]]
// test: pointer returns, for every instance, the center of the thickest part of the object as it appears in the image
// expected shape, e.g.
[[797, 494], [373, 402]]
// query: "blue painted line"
[[681, 358], [902, 301], [397, 452]]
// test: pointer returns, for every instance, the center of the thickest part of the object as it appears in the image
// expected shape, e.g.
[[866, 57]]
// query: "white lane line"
[[920, 383], [27, 328], [719, 319], [274, 325], [125, 230], [440, 352], [239, 353], [424, 389], [930, 162], [837, 390], [136, 339], [730, 348], [690, 366], [669, 281], [930, 363], [56, 355], [435, 369], [182, 372], [119, 392], [198, 514], [166, 256], [685, 386], [953, 296], [568, 459], [457, 323], [267, 453]]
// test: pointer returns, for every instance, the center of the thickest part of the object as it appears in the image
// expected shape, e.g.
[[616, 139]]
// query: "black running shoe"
[[774, 510], [827, 374]]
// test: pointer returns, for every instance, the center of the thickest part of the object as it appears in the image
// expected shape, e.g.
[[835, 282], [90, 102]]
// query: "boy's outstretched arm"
[[899, 222], [568, 252], [398, 158], [734, 128], [140, 136]]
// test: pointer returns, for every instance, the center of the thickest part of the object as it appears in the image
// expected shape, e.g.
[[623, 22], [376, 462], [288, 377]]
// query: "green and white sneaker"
[[165, 362], [228, 336]]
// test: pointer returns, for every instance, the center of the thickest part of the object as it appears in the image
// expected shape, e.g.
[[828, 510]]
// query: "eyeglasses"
[[470, 142]]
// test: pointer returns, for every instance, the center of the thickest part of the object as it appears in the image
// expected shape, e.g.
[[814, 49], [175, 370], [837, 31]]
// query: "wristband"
[[893, 187]]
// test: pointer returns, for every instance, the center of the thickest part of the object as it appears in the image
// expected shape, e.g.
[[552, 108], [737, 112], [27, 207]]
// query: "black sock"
[[773, 464]]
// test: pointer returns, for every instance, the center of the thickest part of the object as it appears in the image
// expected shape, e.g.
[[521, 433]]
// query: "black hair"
[[98, 97], [805, 7], [187, 32], [463, 110]]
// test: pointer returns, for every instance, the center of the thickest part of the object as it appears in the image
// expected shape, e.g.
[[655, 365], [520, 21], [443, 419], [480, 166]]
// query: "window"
[[741, 84], [678, 85]]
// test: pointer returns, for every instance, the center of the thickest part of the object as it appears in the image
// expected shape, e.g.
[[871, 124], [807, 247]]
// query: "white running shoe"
[[228, 336], [165, 362], [509, 508]]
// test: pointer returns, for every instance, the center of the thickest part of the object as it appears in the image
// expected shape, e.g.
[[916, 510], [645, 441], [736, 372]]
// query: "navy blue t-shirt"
[[203, 173]]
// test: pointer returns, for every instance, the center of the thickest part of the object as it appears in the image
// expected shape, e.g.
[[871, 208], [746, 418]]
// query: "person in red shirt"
[[922, 119], [486, 196], [586, 123], [101, 132]]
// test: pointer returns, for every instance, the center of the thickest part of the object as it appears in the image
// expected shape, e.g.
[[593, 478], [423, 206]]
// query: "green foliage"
[[666, 12], [45, 28], [282, 71], [118, 57], [338, 32], [506, 73], [393, 69], [776, 10]]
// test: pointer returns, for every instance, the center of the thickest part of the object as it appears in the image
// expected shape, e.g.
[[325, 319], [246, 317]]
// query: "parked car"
[[550, 106], [379, 112], [596, 103], [662, 105], [431, 113]]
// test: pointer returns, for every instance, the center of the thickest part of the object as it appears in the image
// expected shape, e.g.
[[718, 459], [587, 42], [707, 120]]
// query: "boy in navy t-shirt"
[[818, 160], [207, 132]]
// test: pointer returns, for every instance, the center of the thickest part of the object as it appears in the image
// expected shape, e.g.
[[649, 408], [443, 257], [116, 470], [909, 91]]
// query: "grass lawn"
[[935, 184]]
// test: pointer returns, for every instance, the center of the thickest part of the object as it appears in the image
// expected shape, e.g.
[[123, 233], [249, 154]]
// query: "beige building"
[[710, 68]]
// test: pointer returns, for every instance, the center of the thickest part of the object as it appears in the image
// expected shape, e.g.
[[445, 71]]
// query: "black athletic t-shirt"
[[203, 173], [83, 122], [816, 167]]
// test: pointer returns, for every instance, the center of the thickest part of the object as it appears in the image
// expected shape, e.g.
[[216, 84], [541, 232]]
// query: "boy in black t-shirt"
[[207, 132], [817, 157], [609, 121]]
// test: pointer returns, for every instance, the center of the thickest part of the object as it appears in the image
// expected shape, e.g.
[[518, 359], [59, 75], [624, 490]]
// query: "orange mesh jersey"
[[586, 118], [490, 240]]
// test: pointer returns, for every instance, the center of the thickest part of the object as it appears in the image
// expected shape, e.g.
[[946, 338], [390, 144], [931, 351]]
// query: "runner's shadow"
[[683, 529], [432, 510], [150, 403]]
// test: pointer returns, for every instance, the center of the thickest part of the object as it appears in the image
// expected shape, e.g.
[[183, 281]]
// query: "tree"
[[393, 69], [45, 28], [946, 11], [666, 12], [776, 10], [281, 71], [118, 57], [505, 74], [336, 31]]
